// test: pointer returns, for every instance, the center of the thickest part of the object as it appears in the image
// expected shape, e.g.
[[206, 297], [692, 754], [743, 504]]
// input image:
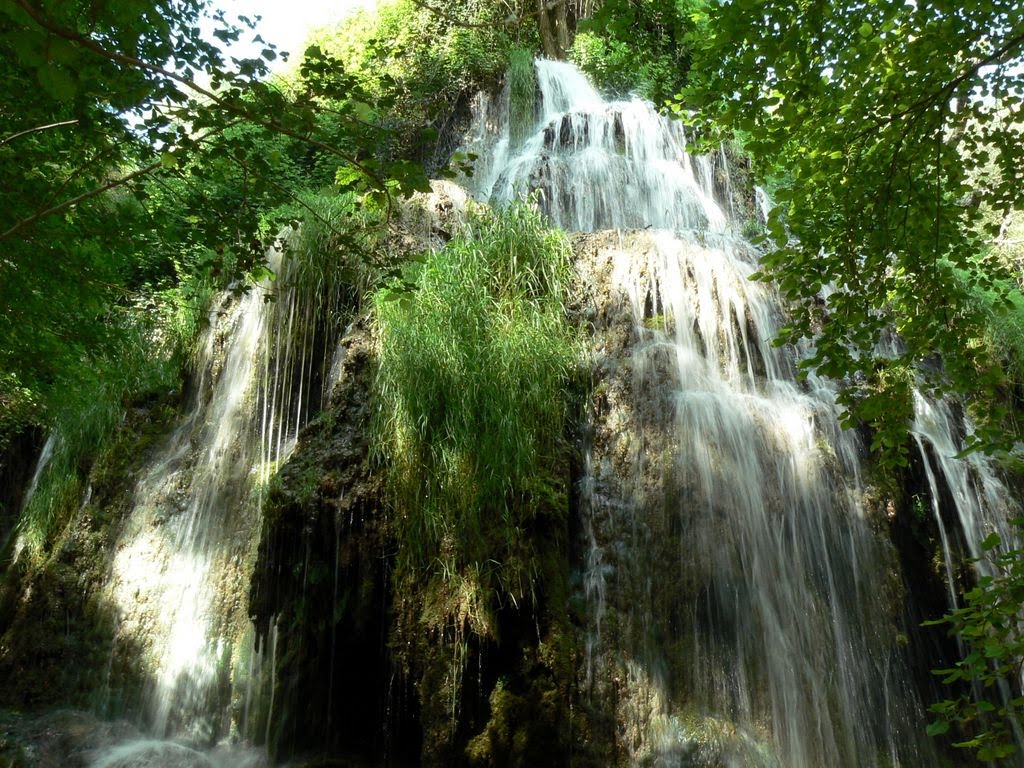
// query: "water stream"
[[183, 563], [743, 597]]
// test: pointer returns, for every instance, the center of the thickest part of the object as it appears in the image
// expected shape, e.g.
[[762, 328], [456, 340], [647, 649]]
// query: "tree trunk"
[[547, 35], [562, 28], [553, 24]]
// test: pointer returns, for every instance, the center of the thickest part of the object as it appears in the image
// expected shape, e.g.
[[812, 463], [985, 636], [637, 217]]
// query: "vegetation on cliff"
[[475, 358], [151, 170]]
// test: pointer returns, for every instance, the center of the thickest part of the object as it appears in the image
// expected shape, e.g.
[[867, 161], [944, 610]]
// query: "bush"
[[470, 402]]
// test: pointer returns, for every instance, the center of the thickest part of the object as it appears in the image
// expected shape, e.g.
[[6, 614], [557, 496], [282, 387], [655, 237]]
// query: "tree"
[[142, 169], [639, 46], [893, 132]]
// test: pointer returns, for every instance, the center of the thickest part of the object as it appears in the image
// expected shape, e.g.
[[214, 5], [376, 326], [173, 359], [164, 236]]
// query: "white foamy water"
[[182, 565], [744, 606]]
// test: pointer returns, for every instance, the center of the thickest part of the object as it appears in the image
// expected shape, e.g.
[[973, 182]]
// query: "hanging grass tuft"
[[470, 399], [522, 84]]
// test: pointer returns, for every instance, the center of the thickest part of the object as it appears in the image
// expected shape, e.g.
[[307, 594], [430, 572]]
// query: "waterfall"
[[979, 501], [744, 601], [41, 463], [183, 562], [596, 165]]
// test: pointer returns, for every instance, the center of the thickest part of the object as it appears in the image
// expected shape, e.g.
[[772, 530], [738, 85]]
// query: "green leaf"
[[348, 176], [364, 111], [56, 82], [994, 650], [938, 728], [991, 541]]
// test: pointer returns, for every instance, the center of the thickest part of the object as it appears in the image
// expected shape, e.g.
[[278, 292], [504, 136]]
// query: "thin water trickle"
[[41, 463], [14, 537], [980, 502]]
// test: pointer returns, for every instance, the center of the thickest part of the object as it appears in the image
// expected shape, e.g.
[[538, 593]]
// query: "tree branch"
[[63, 206], [36, 129], [76, 200], [131, 61]]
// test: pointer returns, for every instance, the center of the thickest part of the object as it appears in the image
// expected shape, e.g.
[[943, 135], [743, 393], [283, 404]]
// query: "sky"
[[286, 23]]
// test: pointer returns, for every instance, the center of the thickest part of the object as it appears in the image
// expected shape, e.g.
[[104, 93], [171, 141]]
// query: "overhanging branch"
[[36, 129], [121, 58]]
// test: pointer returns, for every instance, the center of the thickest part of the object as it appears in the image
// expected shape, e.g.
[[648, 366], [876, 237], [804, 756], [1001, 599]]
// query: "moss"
[[146, 425], [655, 323], [522, 84], [321, 590], [434, 622]]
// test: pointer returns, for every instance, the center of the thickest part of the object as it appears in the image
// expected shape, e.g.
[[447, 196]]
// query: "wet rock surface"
[[428, 220], [151, 754], [703, 479], [56, 627], [319, 593], [367, 668], [59, 739]]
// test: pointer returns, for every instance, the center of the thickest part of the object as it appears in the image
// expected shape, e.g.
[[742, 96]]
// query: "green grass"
[[470, 397], [522, 82], [1006, 329], [332, 254], [85, 418]]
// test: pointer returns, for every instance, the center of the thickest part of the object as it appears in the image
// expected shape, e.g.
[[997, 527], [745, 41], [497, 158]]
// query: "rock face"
[[151, 754], [56, 626], [429, 219], [723, 531], [319, 595], [606, 663], [370, 669]]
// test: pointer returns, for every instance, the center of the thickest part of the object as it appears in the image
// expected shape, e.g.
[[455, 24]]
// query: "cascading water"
[[597, 165], [978, 498], [182, 565], [968, 488], [743, 600]]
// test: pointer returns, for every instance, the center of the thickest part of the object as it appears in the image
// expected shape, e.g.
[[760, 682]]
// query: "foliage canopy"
[[893, 130]]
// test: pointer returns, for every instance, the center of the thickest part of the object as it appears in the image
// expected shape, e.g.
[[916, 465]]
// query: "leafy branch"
[[231, 107], [63, 206], [991, 627], [156, 165]]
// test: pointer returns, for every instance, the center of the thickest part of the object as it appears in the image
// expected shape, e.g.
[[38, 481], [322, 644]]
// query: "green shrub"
[[470, 402], [638, 46]]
